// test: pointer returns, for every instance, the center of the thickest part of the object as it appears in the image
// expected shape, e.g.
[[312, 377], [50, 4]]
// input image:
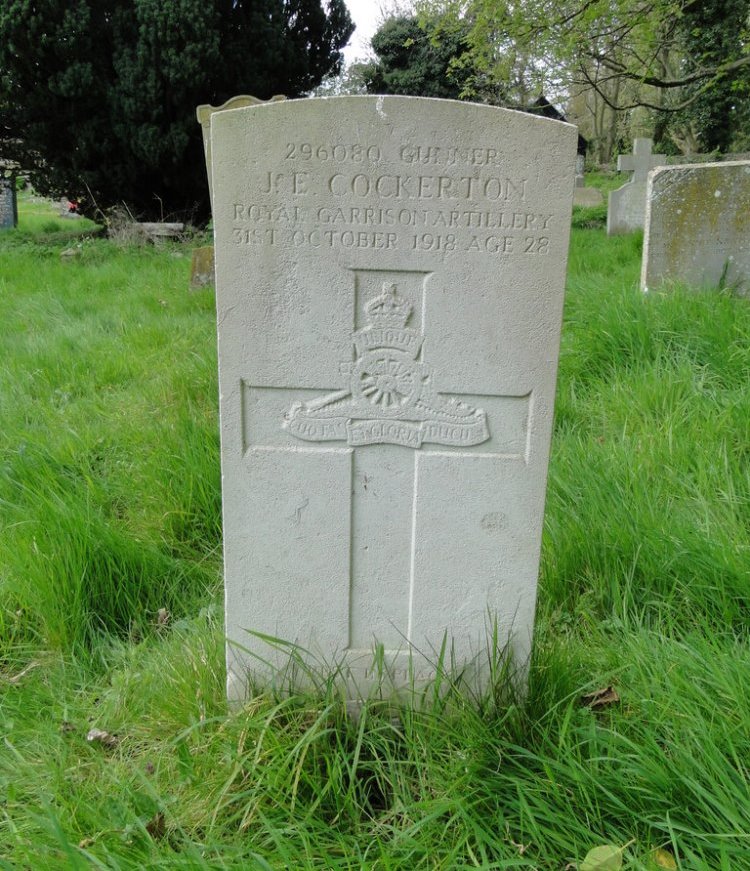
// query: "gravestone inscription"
[[8, 203], [626, 210], [389, 303], [698, 226]]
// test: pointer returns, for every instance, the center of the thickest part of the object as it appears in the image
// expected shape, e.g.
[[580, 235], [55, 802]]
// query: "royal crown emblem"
[[391, 398]]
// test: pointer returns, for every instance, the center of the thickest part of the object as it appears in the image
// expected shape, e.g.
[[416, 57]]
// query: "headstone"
[[580, 166], [204, 112], [8, 203], [390, 275], [587, 197], [626, 211], [202, 267], [698, 226]]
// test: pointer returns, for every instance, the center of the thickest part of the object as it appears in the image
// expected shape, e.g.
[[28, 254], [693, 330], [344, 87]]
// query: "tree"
[[710, 34], [409, 62], [98, 97], [632, 53]]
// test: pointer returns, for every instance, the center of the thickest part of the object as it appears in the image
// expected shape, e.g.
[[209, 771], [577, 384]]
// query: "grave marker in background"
[[580, 167], [389, 302], [587, 197], [8, 203], [626, 211], [204, 112], [698, 226], [202, 267]]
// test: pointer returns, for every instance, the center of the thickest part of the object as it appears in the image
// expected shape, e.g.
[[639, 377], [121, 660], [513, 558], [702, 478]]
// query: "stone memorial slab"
[[390, 275], [698, 226], [202, 267], [8, 203], [580, 181], [204, 112], [626, 210], [587, 197]]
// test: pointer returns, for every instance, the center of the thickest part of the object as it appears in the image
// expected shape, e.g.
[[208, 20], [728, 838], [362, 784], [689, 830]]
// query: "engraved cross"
[[390, 418]]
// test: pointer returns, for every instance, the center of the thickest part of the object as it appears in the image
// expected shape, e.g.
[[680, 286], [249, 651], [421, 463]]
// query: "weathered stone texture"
[[698, 226], [202, 267]]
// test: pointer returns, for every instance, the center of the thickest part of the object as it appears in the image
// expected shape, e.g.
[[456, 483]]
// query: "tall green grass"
[[110, 603]]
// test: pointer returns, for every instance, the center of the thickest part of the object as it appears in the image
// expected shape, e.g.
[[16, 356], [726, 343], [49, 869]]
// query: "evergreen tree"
[[409, 63], [98, 97]]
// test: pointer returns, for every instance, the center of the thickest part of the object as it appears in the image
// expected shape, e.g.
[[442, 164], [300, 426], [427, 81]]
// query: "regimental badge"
[[391, 397]]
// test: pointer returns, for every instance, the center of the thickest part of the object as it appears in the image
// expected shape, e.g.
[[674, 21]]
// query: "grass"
[[40, 220], [110, 604]]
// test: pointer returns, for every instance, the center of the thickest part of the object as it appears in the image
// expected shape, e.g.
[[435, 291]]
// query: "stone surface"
[[202, 267], [587, 197], [698, 226], [390, 276], [8, 203], [626, 211], [580, 165], [204, 112], [157, 231]]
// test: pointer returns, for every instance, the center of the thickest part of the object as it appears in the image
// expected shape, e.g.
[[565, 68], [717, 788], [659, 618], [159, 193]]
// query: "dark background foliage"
[[98, 97], [409, 63]]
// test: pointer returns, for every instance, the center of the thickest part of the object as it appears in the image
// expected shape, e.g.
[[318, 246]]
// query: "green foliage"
[[99, 530], [410, 63], [589, 217], [98, 97], [713, 32], [661, 54]]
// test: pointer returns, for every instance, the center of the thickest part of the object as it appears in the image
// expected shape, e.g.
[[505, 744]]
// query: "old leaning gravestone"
[[698, 226], [390, 279], [626, 209], [8, 203]]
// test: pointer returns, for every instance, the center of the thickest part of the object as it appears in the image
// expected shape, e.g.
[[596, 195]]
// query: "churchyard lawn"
[[117, 751]]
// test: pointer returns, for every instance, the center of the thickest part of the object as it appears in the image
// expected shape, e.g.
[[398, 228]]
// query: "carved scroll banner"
[[390, 276]]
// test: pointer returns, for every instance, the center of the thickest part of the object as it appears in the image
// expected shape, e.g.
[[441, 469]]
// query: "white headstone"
[[390, 276], [626, 211], [698, 226]]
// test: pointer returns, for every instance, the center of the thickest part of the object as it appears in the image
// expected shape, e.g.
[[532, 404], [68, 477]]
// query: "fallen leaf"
[[664, 859], [599, 699], [606, 858], [98, 736]]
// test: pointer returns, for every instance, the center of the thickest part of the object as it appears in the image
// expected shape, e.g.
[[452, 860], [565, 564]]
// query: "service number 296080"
[[338, 153]]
